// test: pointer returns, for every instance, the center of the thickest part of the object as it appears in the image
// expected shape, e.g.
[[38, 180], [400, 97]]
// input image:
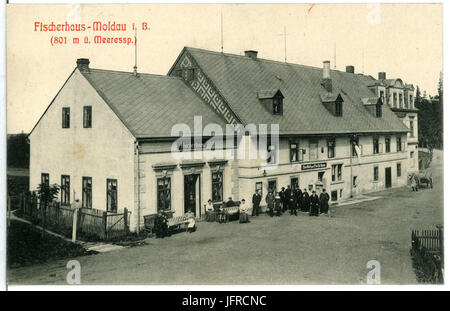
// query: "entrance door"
[[190, 193], [388, 177]]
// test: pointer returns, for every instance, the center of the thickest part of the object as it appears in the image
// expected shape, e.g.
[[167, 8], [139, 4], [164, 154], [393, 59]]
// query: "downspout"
[[138, 189]]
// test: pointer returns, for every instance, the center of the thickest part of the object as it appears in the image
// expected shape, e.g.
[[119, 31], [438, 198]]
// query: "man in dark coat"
[[288, 198], [270, 200], [314, 200], [298, 198], [324, 198], [283, 199], [305, 201], [256, 200]]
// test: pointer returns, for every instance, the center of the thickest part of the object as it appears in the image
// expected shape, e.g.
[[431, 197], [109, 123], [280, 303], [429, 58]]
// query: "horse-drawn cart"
[[422, 179]]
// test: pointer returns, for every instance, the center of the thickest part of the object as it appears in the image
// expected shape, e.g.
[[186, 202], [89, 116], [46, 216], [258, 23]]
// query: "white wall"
[[104, 151]]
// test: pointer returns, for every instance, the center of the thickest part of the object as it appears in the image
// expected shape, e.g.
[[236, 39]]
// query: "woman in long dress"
[[243, 212], [191, 224]]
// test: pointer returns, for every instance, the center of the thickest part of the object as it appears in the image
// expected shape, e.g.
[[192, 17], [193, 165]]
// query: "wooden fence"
[[92, 224], [427, 251]]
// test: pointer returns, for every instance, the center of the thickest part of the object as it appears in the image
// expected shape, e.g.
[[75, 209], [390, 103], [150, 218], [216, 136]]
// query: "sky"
[[403, 40]]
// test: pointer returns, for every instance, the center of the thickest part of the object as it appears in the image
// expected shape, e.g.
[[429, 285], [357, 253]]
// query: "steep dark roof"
[[240, 78], [149, 105]]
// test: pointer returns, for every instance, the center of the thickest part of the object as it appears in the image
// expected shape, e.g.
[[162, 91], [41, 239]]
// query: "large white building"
[[107, 136]]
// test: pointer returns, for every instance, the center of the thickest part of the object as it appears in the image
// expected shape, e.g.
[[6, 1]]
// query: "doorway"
[[192, 194], [388, 177]]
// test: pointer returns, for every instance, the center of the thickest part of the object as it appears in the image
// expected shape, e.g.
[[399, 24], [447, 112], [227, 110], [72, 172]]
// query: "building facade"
[[112, 139]]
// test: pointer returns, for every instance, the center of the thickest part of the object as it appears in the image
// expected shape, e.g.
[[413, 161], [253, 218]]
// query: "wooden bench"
[[178, 222]]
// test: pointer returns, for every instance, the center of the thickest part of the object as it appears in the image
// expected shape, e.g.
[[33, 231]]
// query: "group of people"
[[293, 200]]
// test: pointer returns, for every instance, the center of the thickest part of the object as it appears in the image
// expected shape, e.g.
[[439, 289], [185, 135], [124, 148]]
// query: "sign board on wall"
[[313, 166]]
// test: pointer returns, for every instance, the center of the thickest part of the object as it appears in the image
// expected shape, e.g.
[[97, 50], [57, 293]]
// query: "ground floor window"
[[217, 186], [336, 172], [294, 182], [164, 194], [259, 188], [65, 189], [334, 195], [399, 169], [111, 195], [45, 179], [320, 176], [87, 192], [375, 173], [272, 186], [355, 181]]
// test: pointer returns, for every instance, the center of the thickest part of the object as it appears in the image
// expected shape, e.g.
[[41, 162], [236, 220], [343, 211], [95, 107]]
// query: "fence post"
[[9, 211], [125, 220], [105, 224], [74, 224]]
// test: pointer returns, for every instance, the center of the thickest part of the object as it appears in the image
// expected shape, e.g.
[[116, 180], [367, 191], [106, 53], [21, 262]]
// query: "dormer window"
[[338, 108], [278, 105], [333, 102], [378, 111], [373, 105], [272, 100]]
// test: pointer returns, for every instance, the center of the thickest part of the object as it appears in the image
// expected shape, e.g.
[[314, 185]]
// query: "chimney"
[[326, 78], [252, 54], [350, 69], [83, 64], [381, 76]]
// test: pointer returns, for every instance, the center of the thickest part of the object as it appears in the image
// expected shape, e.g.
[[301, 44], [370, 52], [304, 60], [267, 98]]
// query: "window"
[[382, 96], [376, 147], [354, 142], [111, 195], [66, 117], [411, 128], [217, 186], [400, 100], [336, 172], [294, 183], [272, 186], [320, 176], [87, 192], [293, 154], [271, 152], [375, 173], [164, 193], [411, 103], [399, 169], [259, 188], [278, 105], [338, 108], [331, 147], [313, 149], [387, 142], [87, 116], [399, 144], [378, 111], [395, 100], [334, 195], [45, 179], [65, 189]]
